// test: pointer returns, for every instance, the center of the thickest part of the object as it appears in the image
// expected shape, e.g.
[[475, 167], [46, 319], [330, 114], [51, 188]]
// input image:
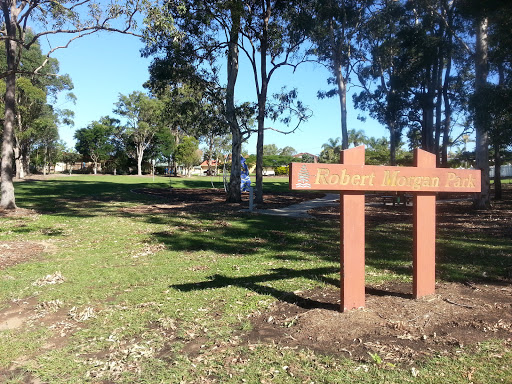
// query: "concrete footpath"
[[300, 210]]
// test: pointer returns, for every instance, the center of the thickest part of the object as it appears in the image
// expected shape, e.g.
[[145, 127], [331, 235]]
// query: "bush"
[[280, 171]]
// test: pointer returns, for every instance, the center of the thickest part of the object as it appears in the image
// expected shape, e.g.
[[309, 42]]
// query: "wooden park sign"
[[352, 178]]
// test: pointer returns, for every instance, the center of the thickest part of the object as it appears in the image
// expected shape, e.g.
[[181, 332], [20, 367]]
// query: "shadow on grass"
[[69, 197], [284, 239], [255, 284]]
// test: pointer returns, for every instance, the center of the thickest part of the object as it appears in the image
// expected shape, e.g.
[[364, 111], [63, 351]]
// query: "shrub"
[[281, 170]]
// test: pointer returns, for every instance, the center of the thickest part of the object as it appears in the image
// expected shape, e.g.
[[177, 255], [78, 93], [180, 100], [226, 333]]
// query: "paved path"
[[300, 210]]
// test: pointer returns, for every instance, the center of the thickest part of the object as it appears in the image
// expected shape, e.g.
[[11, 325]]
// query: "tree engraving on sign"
[[303, 178]]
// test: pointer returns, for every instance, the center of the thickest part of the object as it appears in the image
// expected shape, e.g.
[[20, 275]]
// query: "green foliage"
[[307, 158], [492, 107], [69, 158], [95, 141], [37, 121], [281, 171], [145, 118], [287, 151], [187, 152], [276, 161], [331, 151], [270, 150]]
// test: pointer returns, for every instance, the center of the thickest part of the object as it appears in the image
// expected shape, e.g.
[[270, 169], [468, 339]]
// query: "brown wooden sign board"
[[352, 178]]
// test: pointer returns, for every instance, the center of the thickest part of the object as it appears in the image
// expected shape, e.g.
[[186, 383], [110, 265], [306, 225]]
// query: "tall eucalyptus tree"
[[189, 42], [335, 27], [70, 18], [272, 35], [385, 90]]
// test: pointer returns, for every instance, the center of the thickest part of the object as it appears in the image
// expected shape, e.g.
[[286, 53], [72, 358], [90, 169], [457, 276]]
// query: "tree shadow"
[[383, 292], [255, 284]]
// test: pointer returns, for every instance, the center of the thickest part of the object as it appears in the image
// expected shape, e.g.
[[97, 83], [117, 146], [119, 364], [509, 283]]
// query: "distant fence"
[[506, 171]]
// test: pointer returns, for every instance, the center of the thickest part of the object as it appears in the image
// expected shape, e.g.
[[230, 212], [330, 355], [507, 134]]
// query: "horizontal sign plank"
[[344, 177]]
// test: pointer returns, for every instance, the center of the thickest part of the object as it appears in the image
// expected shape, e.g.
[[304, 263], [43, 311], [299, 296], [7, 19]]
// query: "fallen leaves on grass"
[[54, 278], [126, 359], [83, 315]]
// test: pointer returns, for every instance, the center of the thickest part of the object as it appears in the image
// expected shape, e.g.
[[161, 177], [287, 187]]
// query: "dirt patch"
[[18, 213], [212, 200], [393, 327], [451, 212], [14, 252], [54, 315]]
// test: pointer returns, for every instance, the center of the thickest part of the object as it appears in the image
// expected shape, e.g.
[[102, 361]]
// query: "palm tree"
[[356, 137], [331, 151]]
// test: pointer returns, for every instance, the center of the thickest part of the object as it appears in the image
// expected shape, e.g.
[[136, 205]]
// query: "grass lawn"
[[110, 293]]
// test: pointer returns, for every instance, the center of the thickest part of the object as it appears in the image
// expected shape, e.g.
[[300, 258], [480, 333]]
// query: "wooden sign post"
[[352, 178]]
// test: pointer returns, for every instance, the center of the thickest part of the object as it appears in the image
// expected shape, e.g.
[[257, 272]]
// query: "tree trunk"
[[262, 101], [446, 87], [45, 162], [438, 106], [428, 116], [18, 162], [392, 144], [140, 155], [482, 200], [447, 111], [234, 194], [7, 200], [497, 173], [25, 159], [340, 82], [342, 94]]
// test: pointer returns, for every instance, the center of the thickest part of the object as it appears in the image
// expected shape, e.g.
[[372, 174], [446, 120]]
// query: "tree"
[[216, 147], [335, 29], [48, 136], [188, 41], [187, 153], [163, 146], [271, 36], [307, 158], [356, 137], [69, 18], [331, 151], [478, 13], [287, 151], [32, 95], [385, 91], [270, 150], [276, 161], [493, 110], [94, 141], [144, 120], [377, 151], [70, 157]]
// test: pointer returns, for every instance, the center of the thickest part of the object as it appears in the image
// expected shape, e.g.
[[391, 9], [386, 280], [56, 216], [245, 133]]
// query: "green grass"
[[158, 283]]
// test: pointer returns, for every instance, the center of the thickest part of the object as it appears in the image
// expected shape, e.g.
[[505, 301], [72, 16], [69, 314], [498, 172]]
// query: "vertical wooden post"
[[424, 227], [352, 226]]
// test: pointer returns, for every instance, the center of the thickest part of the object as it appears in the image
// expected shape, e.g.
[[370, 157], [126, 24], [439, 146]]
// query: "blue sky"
[[106, 64]]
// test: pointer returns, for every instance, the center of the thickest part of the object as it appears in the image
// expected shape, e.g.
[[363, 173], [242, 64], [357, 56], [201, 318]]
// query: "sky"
[[104, 65]]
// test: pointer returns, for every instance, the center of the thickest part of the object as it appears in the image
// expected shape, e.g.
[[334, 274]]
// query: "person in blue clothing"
[[245, 183]]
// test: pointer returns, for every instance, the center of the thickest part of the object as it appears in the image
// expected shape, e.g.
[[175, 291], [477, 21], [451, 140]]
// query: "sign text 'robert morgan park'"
[[382, 178]]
